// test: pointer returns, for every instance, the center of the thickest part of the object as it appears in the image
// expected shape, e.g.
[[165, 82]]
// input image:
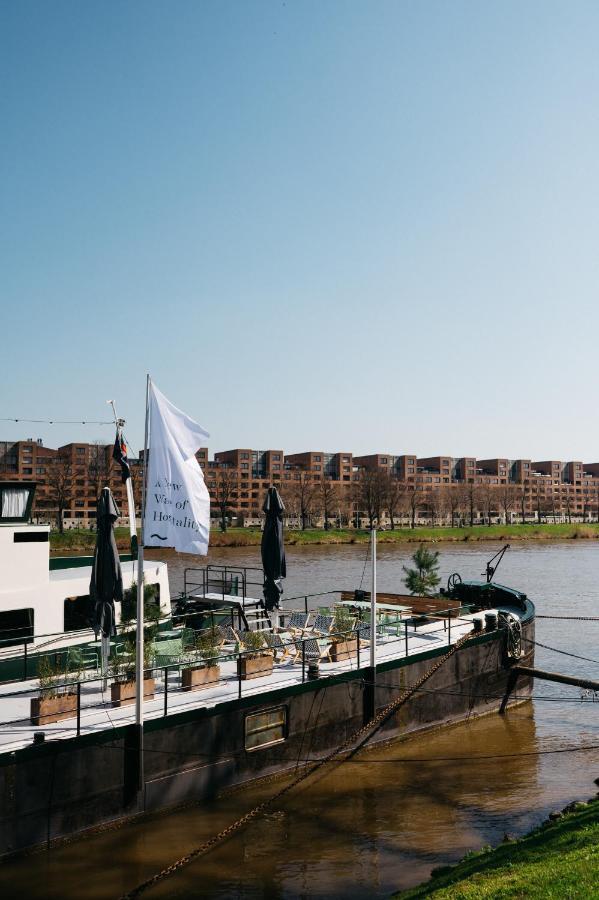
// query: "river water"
[[382, 822]]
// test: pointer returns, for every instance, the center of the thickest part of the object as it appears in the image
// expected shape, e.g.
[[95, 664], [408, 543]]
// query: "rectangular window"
[[265, 728], [76, 613], [277, 456], [317, 459], [16, 627], [31, 537]]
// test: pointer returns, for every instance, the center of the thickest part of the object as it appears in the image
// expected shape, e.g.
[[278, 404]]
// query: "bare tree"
[[225, 491], [452, 501], [507, 496], [371, 494], [412, 502], [303, 491], [521, 498], [568, 504], [471, 496], [433, 503], [487, 499], [395, 491], [328, 498], [60, 484], [99, 466]]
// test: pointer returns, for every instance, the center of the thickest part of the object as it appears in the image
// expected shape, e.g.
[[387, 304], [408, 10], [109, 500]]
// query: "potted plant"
[[203, 670], [58, 695], [345, 642], [123, 669], [256, 661]]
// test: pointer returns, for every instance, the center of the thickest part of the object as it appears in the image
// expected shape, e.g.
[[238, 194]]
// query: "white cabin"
[[44, 603]]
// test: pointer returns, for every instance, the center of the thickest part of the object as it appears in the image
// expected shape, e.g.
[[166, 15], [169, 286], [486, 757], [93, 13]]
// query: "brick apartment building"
[[71, 477]]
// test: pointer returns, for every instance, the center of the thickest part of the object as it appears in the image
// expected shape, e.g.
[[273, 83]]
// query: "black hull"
[[64, 787]]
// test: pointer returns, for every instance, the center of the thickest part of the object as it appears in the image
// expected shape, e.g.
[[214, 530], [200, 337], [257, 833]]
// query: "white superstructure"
[[43, 605]]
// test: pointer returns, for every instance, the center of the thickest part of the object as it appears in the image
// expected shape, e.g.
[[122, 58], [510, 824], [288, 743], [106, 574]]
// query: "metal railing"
[[224, 580], [75, 688]]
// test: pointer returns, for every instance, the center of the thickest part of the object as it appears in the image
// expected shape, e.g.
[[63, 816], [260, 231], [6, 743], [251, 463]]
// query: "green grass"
[[557, 860], [82, 540]]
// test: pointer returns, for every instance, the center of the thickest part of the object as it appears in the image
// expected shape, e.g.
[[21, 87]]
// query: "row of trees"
[[378, 496], [96, 471]]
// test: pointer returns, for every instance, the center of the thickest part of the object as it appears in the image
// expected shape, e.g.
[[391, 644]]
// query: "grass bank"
[[559, 859], [82, 540]]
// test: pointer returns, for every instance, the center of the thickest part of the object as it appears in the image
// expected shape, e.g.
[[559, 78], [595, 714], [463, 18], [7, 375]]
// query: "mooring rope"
[[571, 618], [345, 746]]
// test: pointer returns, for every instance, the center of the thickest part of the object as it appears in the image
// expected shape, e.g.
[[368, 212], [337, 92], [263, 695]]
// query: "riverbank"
[[559, 859], [83, 540]]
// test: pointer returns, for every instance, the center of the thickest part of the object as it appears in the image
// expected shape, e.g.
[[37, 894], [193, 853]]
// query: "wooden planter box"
[[122, 693], [197, 677], [254, 666], [341, 650], [45, 710]]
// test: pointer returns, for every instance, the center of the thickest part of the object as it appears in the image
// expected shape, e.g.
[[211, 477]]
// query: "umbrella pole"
[[139, 644], [104, 665]]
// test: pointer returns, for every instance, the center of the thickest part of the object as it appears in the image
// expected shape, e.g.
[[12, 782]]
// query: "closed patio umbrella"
[[106, 584], [273, 549]]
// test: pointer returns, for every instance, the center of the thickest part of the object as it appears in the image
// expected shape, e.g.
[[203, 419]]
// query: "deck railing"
[[96, 683]]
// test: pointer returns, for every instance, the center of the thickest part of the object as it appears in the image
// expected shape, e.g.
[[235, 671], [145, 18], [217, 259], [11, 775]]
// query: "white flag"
[[177, 512]]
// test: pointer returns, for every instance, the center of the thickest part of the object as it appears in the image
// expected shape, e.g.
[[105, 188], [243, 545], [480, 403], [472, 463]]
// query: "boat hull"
[[54, 790]]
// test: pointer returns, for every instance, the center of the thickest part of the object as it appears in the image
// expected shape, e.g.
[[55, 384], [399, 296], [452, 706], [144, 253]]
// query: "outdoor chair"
[[280, 643], [298, 622], [227, 634], [168, 653], [322, 624], [314, 648]]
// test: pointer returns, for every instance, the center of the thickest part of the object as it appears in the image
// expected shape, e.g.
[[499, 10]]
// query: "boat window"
[[14, 503], [265, 728], [76, 613], [16, 627]]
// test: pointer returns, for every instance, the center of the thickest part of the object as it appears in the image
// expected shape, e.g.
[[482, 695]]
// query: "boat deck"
[[98, 714]]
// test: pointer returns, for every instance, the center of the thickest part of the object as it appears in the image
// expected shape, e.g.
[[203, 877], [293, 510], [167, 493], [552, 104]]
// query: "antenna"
[[118, 422]]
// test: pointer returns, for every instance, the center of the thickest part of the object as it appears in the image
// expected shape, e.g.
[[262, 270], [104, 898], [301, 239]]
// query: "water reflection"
[[382, 822]]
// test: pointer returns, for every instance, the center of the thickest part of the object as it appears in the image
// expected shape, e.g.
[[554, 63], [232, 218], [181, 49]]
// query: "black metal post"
[[303, 660], [25, 661], [405, 628], [165, 690], [78, 708], [306, 605], [239, 674], [358, 649], [449, 626]]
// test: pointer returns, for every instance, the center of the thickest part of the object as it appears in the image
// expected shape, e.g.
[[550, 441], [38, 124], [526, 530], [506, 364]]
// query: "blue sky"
[[318, 225]]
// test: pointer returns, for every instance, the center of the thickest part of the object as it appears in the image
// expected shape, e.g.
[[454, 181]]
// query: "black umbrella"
[[273, 549], [106, 583]]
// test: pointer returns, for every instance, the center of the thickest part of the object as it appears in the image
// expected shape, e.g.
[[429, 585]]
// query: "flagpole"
[[139, 645]]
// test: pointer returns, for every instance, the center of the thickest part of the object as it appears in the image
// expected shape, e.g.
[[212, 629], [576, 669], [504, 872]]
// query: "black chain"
[[344, 747]]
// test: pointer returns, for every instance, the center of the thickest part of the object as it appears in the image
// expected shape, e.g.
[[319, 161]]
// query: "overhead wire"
[[57, 421]]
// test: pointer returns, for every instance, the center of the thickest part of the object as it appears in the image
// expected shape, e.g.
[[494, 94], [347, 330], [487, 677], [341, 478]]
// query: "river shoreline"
[[558, 858], [81, 540]]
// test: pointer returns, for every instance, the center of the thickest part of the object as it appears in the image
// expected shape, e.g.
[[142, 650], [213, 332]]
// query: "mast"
[[139, 644]]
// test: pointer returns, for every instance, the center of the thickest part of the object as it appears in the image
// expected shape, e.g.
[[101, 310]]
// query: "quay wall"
[[57, 789]]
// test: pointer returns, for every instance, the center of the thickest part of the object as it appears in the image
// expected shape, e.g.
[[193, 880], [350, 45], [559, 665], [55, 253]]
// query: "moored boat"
[[312, 687]]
